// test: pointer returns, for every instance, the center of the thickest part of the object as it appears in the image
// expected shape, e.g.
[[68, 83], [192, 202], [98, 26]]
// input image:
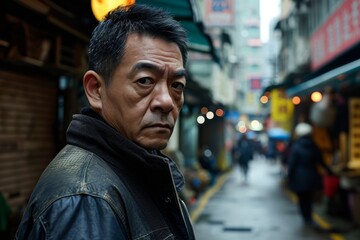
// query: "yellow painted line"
[[207, 195], [319, 220], [335, 236], [325, 225], [322, 223], [291, 195]]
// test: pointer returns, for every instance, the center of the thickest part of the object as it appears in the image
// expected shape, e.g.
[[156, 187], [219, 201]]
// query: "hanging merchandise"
[[354, 134], [323, 113], [331, 185]]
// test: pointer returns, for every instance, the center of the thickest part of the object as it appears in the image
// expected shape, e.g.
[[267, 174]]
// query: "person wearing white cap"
[[303, 176]]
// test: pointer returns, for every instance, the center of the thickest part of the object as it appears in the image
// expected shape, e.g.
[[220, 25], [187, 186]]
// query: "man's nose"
[[162, 99]]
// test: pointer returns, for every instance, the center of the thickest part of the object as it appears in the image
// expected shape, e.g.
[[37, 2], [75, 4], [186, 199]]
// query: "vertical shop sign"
[[354, 156], [219, 13], [340, 32], [281, 109]]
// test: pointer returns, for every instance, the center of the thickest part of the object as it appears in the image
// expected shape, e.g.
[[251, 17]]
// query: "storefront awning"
[[181, 9], [334, 78], [186, 14], [289, 81], [198, 41]]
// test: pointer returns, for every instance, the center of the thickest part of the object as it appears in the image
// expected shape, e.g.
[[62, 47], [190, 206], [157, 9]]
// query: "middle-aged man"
[[111, 181]]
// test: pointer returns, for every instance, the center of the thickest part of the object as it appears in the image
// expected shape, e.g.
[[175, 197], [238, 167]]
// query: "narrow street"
[[257, 210]]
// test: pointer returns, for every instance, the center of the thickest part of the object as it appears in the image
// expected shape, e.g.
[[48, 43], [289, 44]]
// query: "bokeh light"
[[210, 115], [316, 96], [200, 119], [296, 100], [264, 99], [219, 112]]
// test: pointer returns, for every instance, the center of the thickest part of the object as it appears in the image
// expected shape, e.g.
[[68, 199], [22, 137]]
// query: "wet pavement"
[[259, 209]]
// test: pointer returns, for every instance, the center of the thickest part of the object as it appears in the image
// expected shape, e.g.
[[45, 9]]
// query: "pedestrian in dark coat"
[[303, 175], [245, 154]]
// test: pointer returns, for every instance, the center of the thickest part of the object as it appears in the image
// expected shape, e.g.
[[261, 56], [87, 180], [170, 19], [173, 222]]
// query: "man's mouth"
[[162, 125]]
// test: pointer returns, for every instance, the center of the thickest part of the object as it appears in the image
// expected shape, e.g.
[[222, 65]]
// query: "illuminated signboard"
[[340, 32], [219, 12]]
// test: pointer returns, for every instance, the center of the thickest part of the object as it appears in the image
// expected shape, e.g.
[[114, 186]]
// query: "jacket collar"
[[89, 131]]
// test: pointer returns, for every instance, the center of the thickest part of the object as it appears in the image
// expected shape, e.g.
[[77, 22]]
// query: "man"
[[111, 181]]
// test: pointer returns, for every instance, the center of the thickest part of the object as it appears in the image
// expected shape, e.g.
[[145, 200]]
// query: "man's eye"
[[145, 81], [178, 85]]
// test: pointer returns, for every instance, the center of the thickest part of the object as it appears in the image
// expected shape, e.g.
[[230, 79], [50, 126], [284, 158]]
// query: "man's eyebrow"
[[144, 65], [150, 66], [180, 73]]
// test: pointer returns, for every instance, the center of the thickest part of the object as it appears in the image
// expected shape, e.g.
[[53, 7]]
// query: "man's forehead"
[[153, 47], [158, 67]]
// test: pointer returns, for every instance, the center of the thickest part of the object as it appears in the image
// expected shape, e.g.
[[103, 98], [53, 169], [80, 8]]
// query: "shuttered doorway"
[[28, 113]]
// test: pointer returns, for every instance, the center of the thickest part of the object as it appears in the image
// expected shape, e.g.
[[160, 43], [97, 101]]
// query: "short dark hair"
[[108, 39]]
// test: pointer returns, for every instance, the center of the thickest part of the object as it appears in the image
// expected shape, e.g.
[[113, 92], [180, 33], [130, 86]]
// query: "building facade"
[[320, 73]]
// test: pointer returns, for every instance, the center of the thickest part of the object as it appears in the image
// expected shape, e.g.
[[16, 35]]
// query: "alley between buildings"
[[260, 209]]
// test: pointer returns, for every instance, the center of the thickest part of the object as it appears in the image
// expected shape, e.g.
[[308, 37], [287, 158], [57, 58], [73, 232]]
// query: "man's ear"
[[93, 84]]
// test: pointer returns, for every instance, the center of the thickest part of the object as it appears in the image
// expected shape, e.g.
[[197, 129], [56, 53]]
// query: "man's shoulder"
[[78, 167], [74, 171], [74, 161]]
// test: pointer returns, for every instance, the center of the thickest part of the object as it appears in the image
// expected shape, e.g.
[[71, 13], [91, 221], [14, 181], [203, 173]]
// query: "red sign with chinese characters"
[[340, 32], [255, 83]]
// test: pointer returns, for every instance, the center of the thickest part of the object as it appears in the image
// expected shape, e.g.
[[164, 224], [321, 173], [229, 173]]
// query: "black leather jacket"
[[110, 192]]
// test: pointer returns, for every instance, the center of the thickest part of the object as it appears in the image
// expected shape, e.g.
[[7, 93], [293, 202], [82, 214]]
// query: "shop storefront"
[[335, 74]]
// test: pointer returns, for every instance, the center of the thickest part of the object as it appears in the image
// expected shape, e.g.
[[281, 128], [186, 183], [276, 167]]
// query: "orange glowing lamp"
[[296, 100], [101, 7], [264, 99], [316, 96]]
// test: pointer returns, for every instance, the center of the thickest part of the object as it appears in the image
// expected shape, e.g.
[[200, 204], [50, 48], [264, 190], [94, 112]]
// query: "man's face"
[[145, 95]]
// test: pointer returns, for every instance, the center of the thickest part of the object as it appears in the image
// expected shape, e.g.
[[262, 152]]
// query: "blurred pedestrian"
[[208, 162], [245, 155], [271, 154], [303, 175], [285, 158], [111, 180]]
